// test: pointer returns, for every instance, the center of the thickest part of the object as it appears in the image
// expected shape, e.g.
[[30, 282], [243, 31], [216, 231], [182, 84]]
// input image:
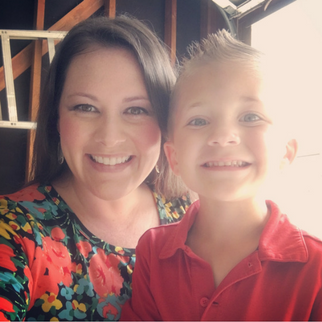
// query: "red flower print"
[[53, 266], [28, 194], [56, 252], [57, 234], [28, 246], [5, 258], [104, 274], [84, 247], [2, 317], [110, 309], [6, 305]]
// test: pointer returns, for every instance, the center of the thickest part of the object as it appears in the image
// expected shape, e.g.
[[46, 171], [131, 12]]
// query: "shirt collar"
[[178, 236], [280, 240]]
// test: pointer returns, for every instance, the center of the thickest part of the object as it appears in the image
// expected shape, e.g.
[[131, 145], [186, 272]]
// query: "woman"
[[100, 179]]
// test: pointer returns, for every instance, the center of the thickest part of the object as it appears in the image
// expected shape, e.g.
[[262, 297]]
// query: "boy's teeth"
[[110, 161], [226, 164]]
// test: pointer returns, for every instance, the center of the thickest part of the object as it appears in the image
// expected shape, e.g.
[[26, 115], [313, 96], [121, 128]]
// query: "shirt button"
[[204, 301]]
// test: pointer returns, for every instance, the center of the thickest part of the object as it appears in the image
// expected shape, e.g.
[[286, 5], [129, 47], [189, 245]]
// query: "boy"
[[234, 256]]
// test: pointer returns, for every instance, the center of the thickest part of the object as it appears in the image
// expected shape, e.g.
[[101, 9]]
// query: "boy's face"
[[224, 142]]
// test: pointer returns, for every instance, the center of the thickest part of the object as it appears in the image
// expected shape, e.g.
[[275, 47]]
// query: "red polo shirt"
[[280, 281]]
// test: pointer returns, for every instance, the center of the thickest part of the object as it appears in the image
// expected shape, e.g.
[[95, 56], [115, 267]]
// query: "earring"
[[157, 170], [60, 154]]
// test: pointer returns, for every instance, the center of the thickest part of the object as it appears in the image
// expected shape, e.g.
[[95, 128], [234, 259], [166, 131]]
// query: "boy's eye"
[[198, 122], [136, 110], [251, 117], [85, 108]]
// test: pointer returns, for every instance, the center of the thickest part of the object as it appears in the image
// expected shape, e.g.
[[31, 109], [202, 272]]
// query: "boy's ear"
[[291, 151], [170, 153]]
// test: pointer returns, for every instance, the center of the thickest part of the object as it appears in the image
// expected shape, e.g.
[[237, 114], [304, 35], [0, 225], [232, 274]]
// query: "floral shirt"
[[52, 268]]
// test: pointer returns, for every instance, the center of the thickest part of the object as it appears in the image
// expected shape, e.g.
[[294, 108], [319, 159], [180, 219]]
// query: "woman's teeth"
[[110, 161], [226, 164]]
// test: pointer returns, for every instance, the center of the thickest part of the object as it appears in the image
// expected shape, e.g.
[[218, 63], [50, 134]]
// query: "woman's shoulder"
[[171, 210], [37, 200], [28, 193]]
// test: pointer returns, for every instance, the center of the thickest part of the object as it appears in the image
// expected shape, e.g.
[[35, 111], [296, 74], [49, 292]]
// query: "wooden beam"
[[110, 8], [170, 28], [35, 83], [211, 19], [22, 60]]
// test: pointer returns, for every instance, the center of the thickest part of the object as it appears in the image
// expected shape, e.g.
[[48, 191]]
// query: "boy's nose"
[[110, 132], [223, 136]]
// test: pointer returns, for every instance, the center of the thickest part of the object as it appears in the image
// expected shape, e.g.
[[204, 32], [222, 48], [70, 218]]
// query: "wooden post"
[[110, 8], [170, 28], [35, 83], [211, 19]]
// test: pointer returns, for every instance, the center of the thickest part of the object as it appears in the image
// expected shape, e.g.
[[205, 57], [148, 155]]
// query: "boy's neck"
[[225, 233], [230, 220]]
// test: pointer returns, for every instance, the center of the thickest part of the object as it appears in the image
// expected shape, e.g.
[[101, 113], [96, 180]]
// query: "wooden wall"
[[177, 22]]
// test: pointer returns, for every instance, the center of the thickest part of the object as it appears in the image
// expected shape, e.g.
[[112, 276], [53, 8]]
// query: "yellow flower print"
[[30, 217], [4, 229], [50, 301], [54, 319], [26, 228], [3, 206], [18, 210], [129, 269], [11, 216], [169, 212], [80, 306], [14, 225], [79, 269]]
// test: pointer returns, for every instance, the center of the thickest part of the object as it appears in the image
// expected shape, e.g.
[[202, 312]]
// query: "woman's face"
[[109, 133]]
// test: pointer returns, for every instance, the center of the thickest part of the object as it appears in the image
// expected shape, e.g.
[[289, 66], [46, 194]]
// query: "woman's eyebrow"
[[81, 94], [136, 98]]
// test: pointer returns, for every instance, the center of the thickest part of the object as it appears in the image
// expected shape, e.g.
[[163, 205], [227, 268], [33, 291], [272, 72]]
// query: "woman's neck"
[[119, 222]]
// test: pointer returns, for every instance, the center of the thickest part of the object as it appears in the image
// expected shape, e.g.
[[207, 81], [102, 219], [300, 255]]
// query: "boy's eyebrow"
[[251, 99], [243, 98]]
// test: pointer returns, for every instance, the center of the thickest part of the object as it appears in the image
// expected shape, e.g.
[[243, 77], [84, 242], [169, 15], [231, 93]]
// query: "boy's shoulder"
[[167, 238], [313, 243]]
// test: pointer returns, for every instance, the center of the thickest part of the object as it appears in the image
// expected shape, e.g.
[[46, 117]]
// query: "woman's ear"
[[291, 151], [170, 153]]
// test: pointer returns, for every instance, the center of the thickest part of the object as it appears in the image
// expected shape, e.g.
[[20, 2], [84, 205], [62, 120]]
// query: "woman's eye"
[[251, 117], [85, 108], [198, 122], [136, 111]]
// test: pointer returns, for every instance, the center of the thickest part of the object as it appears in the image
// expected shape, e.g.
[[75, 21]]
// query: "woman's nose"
[[110, 131], [224, 135]]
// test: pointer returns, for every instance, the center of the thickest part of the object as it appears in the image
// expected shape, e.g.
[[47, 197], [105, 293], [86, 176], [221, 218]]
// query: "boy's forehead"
[[217, 76]]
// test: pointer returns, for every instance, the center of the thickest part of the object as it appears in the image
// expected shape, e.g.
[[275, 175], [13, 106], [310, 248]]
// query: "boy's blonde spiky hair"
[[221, 46]]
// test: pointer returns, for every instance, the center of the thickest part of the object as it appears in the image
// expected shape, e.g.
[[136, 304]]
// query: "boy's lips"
[[232, 163], [110, 160]]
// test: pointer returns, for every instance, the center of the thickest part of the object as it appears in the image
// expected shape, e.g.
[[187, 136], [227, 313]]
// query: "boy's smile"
[[223, 143]]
